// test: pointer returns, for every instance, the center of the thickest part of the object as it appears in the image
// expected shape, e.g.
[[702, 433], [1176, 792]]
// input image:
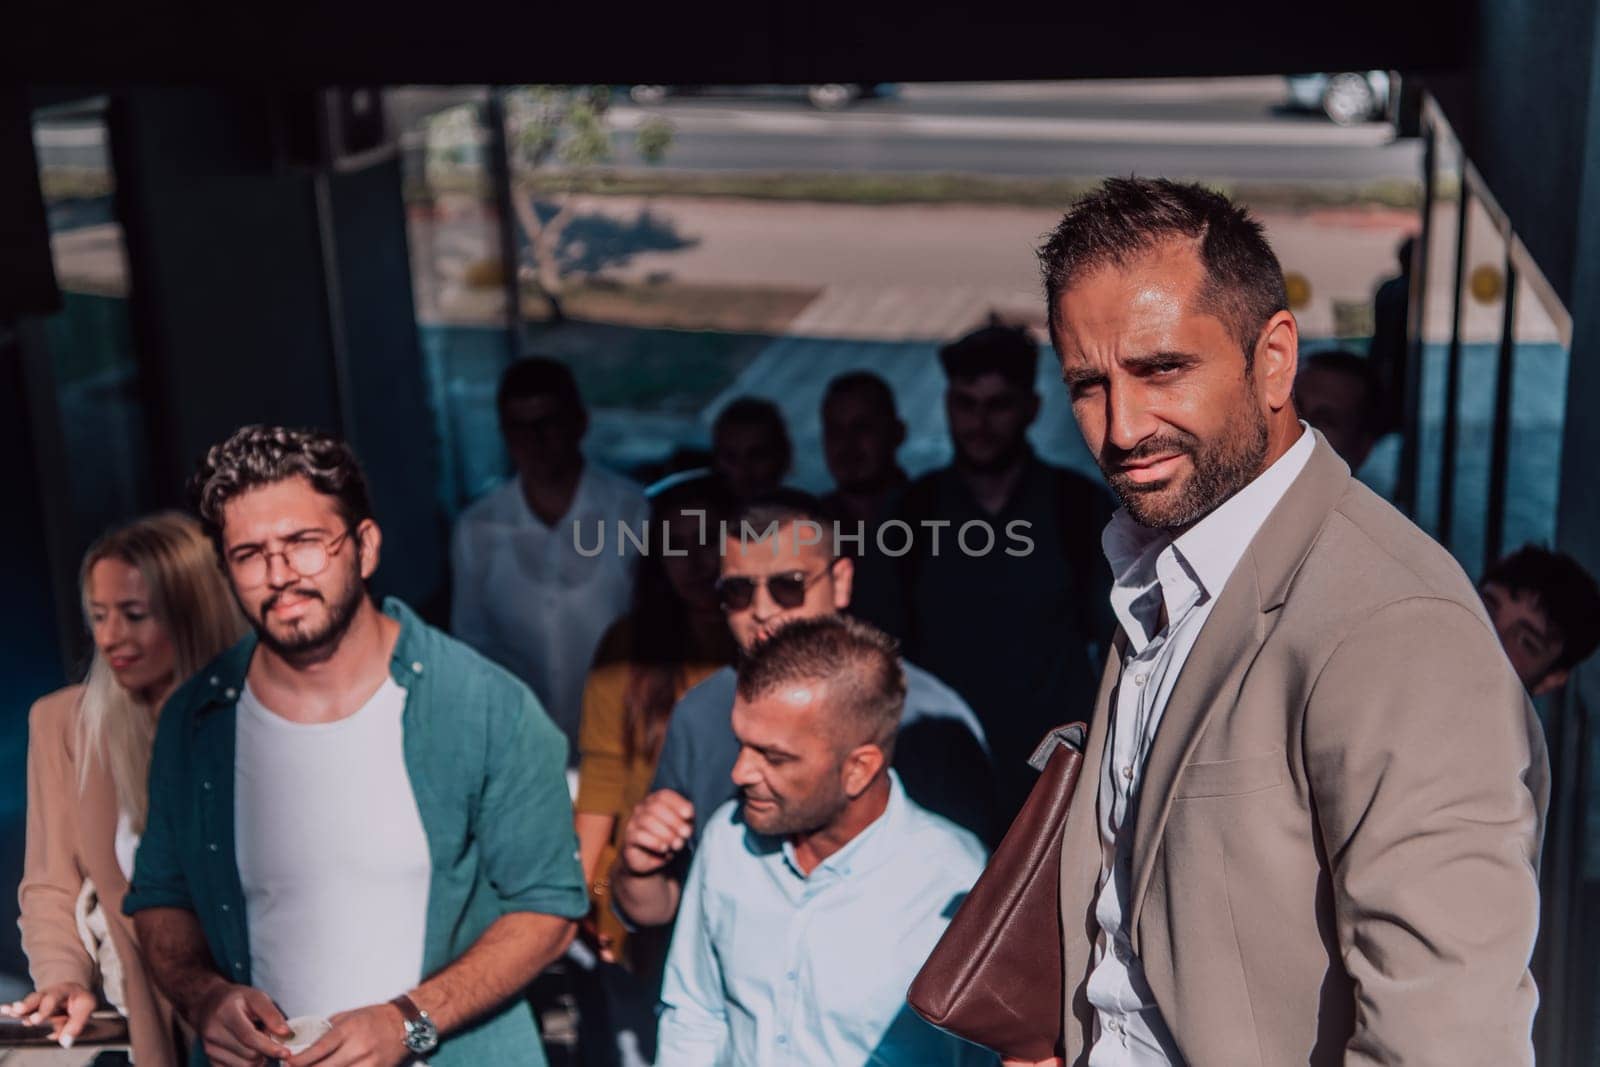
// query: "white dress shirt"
[[1184, 575], [528, 599]]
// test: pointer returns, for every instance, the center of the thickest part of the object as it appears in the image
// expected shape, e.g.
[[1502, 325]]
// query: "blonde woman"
[[159, 609]]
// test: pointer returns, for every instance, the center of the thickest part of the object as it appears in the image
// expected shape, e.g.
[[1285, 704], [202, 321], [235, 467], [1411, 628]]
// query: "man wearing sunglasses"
[[768, 582], [352, 816]]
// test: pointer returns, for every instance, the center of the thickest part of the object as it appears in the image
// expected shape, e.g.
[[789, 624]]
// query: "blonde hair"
[[191, 599]]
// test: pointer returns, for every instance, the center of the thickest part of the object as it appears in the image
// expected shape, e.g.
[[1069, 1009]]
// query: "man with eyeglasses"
[[353, 817], [779, 564]]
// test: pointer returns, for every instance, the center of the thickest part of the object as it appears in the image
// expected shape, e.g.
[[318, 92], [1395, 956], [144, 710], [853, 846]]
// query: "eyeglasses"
[[307, 556], [788, 590]]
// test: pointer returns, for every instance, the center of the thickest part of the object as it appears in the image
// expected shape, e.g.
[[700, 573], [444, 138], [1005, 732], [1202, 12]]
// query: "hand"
[[66, 1006], [367, 1037], [602, 945], [241, 1027], [657, 831]]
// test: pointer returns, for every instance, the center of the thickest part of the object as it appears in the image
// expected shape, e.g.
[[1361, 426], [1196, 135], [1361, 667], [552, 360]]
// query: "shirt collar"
[[1196, 564], [224, 678], [861, 853]]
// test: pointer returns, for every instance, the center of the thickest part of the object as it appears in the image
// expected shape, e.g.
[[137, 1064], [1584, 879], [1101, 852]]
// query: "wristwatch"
[[422, 1037]]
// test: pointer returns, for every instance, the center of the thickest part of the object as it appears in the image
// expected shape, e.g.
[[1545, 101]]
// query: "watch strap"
[[409, 1009]]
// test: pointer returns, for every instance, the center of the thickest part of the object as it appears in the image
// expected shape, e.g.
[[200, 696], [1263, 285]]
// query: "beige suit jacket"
[[1336, 844], [71, 836]]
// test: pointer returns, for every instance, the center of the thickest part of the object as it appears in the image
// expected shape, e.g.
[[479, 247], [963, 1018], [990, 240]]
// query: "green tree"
[[564, 131]]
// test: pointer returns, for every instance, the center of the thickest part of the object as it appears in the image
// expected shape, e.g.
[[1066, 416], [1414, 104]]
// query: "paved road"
[[1235, 129]]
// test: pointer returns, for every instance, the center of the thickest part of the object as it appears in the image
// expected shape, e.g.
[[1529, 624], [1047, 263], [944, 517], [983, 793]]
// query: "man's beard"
[[1220, 470], [783, 820], [312, 646]]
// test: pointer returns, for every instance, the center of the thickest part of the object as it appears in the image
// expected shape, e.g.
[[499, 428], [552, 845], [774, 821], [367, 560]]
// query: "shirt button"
[[1138, 679], [226, 908], [792, 975], [230, 693], [1113, 1025], [238, 968], [783, 1039], [215, 680], [206, 786], [212, 846], [1127, 772]]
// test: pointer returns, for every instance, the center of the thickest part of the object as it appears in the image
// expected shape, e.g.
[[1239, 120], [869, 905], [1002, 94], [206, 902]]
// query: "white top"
[[125, 843], [528, 599], [1185, 574], [332, 855]]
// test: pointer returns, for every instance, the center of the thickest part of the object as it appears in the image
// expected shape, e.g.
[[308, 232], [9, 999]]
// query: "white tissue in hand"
[[308, 1030]]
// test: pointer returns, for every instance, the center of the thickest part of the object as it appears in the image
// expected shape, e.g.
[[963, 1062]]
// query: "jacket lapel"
[[1227, 647]]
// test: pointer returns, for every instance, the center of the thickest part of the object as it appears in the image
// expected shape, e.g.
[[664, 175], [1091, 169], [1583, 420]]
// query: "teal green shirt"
[[487, 767]]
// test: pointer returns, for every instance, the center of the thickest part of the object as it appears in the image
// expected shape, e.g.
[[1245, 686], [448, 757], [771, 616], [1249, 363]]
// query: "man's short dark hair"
[[1127, 217], [759, 412], [780, 507], [860, 663], [1565, 591], [1361, 369], [868, 384], [996, 348], [257, 456], [538, 376]]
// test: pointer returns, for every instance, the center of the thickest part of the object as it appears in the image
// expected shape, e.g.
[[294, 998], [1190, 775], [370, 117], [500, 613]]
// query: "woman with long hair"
[[159, 609], [671, 639]]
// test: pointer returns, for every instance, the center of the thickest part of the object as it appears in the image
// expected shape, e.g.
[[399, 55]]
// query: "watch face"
[[422, 1036]]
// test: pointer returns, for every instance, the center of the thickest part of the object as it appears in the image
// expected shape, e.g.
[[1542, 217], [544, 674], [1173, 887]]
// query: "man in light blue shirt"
[[814, 899]]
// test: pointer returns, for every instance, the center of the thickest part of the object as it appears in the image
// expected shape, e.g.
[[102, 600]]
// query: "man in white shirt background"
[[523, 594]]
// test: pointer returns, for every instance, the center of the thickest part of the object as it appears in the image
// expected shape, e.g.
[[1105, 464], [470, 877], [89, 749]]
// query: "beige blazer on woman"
[[71, 836], [1335, 848]]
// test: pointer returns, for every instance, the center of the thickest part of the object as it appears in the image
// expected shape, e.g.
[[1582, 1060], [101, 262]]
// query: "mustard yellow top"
[[609, 781]]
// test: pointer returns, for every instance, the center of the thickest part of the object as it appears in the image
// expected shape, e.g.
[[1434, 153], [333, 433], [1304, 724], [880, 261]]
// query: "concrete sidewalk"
[[909, 272]]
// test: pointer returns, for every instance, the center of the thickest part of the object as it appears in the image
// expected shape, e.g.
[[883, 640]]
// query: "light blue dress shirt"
[[770, 966]]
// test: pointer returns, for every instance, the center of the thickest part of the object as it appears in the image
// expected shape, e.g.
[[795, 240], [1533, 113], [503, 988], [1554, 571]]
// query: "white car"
[[1347, 97]]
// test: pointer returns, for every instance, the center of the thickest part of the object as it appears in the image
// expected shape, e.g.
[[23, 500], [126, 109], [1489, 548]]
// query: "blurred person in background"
[[750, 448], [1546, 609], [1390, 348], [522, 593], [1339, 393], [817, 894], [861, 432], [767, 584], [158, 609], [1017, 635], [671, 639]]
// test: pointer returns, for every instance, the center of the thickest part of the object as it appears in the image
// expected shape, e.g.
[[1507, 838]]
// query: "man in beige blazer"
[[1308, 823]]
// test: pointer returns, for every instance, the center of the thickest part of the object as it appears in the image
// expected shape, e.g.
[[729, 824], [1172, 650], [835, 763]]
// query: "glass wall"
[[90, 341]]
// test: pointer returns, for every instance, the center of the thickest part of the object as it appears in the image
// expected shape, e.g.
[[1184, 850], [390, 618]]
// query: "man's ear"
[[1552, 681], [1277, 360], [844, 581], [369, 542], [861, 766]]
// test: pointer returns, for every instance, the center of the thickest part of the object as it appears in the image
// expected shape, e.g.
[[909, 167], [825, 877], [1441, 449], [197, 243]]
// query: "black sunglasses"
[[788, 590]]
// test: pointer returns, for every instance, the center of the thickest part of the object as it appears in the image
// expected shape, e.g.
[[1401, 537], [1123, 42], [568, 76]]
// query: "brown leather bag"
[[995, 977]]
